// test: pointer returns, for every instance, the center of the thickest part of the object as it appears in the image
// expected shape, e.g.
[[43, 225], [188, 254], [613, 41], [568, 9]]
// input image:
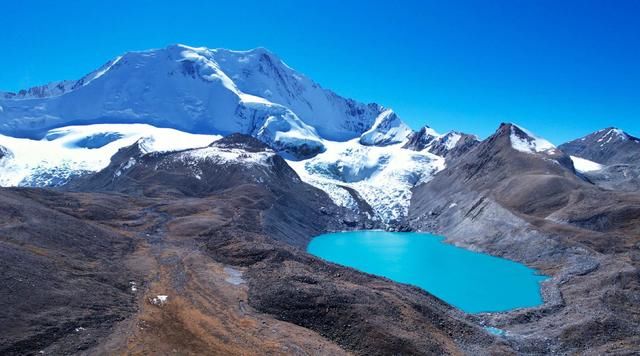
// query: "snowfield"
[[71, 151], [584, 165]]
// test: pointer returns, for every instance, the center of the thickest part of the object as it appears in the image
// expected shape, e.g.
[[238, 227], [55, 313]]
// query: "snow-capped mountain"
[[206, 91], [606, 146], [610, 158]]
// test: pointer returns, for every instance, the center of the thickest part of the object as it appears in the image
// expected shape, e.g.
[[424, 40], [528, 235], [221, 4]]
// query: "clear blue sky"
[[559, 68]]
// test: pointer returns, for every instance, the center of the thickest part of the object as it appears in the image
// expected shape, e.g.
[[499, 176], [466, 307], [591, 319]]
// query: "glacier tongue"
[[382, 175]]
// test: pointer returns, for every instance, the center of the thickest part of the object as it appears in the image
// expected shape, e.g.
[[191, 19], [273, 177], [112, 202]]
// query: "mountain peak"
[[614, 133], [610, 145]]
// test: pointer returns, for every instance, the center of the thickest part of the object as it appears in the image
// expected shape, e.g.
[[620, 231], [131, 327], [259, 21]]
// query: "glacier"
[[382, 175]]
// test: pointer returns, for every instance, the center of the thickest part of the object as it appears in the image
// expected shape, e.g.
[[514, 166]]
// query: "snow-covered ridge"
[[524, 141], [71, 151], [222, 155], [59, 87]]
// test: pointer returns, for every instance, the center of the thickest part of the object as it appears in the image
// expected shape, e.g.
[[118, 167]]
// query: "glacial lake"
[[474, 282]]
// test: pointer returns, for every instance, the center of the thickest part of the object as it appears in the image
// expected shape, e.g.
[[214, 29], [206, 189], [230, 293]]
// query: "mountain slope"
[[225, 164], [515, 195], [382, 176]]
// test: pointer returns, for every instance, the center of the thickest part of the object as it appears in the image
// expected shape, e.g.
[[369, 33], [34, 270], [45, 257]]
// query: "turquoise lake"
[[472, 281]]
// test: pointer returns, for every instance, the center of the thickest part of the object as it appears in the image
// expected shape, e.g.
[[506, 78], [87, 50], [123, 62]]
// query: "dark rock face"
[[240, 141], [60, 283], [617, 150], [453, 145], [607, 146], [420, 139], [4, 152], [533, 208], [450, 145]]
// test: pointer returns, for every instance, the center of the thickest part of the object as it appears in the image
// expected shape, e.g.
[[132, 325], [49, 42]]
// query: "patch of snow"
[[585, 165], [222, 155], [234, 276], [452, 140], [529, 144], [159, 299], [431, 132], [612, 134]]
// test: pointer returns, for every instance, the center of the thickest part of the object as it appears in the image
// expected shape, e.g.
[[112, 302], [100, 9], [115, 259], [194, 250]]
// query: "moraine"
[[472, 281]]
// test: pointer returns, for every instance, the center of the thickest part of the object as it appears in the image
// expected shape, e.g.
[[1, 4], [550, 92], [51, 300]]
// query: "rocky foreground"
[[193, 253], [148, 262]]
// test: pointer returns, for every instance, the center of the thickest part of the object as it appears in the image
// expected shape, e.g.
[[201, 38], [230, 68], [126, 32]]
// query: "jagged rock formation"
[[450, 145]]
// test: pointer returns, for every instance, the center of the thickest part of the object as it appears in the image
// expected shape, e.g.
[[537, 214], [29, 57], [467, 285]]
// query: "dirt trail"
[[191, 304]]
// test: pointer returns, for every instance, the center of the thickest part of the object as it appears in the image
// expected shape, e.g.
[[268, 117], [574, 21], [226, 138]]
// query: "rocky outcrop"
[[450, 145]]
